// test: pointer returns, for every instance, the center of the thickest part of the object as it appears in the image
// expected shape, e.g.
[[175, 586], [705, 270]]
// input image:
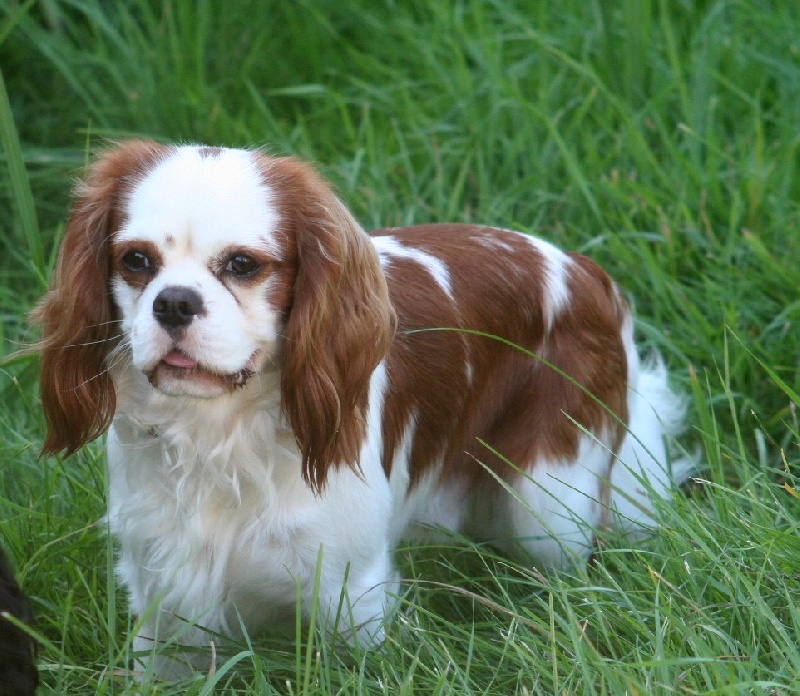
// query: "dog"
[[18, 673], [287, 397]]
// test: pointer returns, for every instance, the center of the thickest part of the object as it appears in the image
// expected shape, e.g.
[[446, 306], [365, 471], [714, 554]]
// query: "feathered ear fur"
[[339, 325], [79, 324]]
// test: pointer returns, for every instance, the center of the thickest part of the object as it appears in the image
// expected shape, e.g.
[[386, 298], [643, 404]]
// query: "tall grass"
[[659, 137]]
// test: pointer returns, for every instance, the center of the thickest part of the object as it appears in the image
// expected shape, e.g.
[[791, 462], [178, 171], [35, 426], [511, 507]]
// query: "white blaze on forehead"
[[556, 274], [389, 247], [203, 200]]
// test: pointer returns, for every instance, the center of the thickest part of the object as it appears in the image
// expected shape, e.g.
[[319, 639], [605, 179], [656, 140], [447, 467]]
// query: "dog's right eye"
[[137, 261]]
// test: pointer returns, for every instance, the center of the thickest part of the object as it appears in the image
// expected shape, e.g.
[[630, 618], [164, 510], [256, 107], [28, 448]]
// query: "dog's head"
[[201, 267]]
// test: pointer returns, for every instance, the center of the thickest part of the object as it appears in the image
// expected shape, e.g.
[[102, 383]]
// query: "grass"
[[659, 137]]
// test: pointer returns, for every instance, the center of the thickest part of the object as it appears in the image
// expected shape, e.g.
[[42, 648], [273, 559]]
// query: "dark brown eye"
[[137, 261], [242, 265]]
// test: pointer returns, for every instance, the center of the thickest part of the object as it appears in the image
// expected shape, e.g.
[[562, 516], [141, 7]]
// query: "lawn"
[[659, 137]]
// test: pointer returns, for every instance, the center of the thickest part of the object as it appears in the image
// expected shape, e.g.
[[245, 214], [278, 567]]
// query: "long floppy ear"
[[339, 325], [79, 323]]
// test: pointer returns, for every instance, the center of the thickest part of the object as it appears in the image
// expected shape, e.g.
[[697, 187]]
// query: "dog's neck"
[[228, 438]]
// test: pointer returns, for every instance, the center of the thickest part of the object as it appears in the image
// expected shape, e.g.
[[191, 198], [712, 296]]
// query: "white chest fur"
[[215, 523]]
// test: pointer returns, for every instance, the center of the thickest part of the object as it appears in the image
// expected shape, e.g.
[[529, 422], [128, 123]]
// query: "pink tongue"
[[177, 359]]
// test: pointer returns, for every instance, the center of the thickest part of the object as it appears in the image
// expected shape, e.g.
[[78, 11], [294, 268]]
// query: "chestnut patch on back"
[[470, 387]]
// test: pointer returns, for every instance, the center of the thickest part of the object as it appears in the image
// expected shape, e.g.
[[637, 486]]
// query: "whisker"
[[104, 323], [26, 348], [90, 343], [117, 358], [121, 353], [91, 379]]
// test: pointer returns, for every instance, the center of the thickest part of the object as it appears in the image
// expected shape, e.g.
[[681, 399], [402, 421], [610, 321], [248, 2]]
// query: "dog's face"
[[200, 267], [200, 274]]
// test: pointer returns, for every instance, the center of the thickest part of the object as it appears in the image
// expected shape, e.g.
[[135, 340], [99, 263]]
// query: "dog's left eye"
[[242, 265]]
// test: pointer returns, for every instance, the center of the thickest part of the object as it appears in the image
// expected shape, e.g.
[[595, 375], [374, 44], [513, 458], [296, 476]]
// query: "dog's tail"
[[644, 469]]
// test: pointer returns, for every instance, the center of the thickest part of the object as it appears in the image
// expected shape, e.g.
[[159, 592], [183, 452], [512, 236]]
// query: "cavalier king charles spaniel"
[[287, 397]]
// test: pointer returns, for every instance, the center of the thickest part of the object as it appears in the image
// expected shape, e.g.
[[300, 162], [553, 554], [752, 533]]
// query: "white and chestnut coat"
[[279, 387]]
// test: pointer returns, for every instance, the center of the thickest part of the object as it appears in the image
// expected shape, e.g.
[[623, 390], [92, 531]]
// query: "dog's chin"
[[175, 377]]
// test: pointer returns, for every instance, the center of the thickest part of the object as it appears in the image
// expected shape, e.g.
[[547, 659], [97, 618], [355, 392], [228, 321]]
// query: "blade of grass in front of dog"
[[211, 683], [298, 634], [312, 624], [302, 668], [111, 593]]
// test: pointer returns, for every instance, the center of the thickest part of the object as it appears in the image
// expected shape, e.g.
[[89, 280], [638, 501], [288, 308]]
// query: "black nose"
[[175, 307]]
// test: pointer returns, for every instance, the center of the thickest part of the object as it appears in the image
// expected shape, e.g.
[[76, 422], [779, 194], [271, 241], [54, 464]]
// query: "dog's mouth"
[[177, 366]]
